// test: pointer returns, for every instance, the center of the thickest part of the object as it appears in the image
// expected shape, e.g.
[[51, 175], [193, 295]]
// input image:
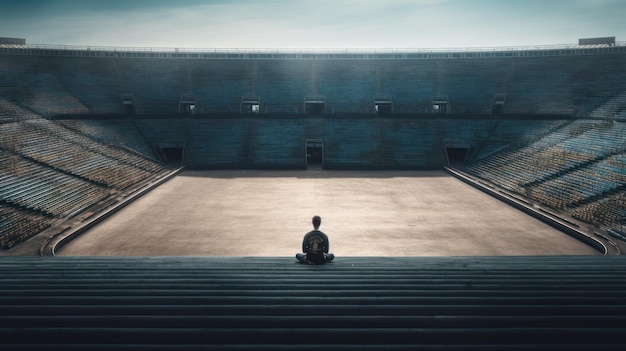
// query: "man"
[[315, 245]]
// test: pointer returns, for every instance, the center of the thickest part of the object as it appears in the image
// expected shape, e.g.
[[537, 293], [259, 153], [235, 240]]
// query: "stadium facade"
[[545, 123]]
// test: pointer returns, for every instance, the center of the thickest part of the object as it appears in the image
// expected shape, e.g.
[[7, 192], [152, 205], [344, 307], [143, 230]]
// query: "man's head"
[[317, 221]]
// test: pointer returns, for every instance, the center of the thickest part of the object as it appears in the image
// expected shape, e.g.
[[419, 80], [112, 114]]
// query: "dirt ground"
[[374, 213]]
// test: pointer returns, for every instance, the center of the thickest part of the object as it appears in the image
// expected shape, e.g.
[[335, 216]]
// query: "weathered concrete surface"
[[266, 213]]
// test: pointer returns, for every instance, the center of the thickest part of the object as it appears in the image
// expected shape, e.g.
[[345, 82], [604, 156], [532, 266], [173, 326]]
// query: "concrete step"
[[355, 303]]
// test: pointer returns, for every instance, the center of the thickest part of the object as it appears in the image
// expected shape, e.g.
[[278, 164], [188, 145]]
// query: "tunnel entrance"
[[172, 153], [314, 153], [457, 154]]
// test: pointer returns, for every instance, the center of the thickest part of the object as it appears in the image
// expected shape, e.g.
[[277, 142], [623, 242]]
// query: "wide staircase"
[[274, 303]]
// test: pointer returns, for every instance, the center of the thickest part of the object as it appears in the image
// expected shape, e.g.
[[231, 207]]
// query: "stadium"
[[475, 198]]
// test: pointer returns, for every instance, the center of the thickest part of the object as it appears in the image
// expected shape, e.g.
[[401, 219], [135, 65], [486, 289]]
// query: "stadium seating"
[[112, 132], [556, 138], [50, 172], [58, 147], [608, 210], [17, 225], [10, 112], [35, 187], [355, 303], [579, 163]]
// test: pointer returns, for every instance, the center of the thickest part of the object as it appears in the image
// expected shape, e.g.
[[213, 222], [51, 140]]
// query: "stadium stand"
[[231, 303], [581, 162], [609, 211], [30, 185], [115, 132], [50, 172], [47, 143], [47, 96], [545, 123], [10, 112], [17, 225]]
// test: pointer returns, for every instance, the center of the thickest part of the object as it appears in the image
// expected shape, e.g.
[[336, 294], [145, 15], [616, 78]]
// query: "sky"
[[333, 24]]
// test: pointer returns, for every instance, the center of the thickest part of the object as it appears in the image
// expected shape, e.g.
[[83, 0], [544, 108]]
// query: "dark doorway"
[[312, 108], [129, 109], [498, 104], [457, 155], [173, 155], [497, 109], [314, 153], [382, 108], [129, 105]]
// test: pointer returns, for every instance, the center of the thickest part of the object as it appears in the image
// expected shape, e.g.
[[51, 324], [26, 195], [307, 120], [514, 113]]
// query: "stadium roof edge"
[[309, 53], [317, 50]]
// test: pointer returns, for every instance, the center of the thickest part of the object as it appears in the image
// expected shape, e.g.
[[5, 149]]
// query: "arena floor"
[[374, 213]]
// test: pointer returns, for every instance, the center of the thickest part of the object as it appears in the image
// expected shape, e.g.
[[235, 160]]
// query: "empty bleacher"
[[355, 303], [50, 172], [609, 211], [18, 224], [580, 185], [32, 186], [96, 83], [574, 144], [11, 112], [47, 143], [48, 96], [514, 134], [112, 132], [579, 163]]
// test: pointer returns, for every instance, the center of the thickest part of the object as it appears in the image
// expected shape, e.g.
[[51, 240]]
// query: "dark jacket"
[[315, 245]]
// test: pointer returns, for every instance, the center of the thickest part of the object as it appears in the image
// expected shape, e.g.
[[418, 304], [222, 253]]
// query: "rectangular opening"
[[498, 104], [187, 105], [457, 154], [250, 104], [314, 105], [128, 104], [172, 152], [382, 105], [440, 105], [314, 153]]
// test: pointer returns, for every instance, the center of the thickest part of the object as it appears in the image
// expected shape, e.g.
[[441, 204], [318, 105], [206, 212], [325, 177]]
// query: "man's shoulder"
[[315, 232], [316, 235]]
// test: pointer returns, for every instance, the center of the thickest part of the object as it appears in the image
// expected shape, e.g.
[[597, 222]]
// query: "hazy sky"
[[311, 24]]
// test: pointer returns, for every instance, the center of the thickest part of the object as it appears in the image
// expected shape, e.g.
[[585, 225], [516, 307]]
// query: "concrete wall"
[[350, 142], [570, 85]]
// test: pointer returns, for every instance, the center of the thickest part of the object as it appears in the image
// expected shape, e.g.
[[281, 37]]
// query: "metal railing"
[[309, 53], [316, 50]]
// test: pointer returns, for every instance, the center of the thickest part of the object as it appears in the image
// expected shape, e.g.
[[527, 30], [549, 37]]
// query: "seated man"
[[315, 246]]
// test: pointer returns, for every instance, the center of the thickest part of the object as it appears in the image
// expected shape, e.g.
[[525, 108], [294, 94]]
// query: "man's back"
[[315, 245]]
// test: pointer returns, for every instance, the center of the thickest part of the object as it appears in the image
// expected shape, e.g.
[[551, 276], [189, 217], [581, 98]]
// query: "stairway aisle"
[[355, 303]]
